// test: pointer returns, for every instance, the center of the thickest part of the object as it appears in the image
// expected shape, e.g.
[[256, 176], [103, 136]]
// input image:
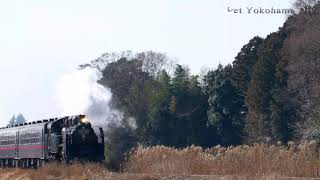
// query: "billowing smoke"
[[80, 93]]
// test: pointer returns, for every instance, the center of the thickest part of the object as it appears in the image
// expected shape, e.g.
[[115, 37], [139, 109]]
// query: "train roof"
[[34, 127], [44, 121], [29, 123]]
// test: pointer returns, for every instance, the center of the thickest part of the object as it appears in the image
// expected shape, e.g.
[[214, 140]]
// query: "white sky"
[[40, 40]]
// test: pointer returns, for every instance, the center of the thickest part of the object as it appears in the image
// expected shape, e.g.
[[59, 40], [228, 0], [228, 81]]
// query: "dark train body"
[[61, 139]]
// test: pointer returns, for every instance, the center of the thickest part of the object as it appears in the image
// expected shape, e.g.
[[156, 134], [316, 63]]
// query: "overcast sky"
[[40, 40]]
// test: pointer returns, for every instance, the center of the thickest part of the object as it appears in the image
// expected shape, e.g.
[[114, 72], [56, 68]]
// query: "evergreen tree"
[[282, 104], [178, 115], [182, 108], [259, 95], [159, 128], [243, 64], [12, 121], [19, 119], [226, 107]]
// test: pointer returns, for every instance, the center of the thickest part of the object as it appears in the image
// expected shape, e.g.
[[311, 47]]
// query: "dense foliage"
[[270, 93]]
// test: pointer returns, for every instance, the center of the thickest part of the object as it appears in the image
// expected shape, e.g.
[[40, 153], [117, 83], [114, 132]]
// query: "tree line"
[[269, 93]]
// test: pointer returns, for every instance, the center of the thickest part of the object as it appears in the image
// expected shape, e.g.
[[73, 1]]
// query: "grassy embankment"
[[242, 162], [250, 161]]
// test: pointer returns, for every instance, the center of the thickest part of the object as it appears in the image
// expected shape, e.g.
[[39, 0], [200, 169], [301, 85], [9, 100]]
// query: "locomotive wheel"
[[24, 163], [34, 163], [41, 162], [19, 163]]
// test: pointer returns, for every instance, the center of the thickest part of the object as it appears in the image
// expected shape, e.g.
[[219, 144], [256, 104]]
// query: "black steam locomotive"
[[60, 139]]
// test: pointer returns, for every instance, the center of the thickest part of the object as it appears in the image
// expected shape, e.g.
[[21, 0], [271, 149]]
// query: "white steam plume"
[[80, 93]]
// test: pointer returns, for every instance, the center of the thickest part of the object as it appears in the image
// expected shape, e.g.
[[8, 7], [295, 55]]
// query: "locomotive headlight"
[[84, 120]]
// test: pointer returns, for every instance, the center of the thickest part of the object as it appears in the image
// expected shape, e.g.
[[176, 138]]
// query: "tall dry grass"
[[241, 162], [77, 171], [254, 161], [57, 171]]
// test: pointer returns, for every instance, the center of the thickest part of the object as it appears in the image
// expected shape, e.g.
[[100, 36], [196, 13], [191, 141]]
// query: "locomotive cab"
[[82, 143]]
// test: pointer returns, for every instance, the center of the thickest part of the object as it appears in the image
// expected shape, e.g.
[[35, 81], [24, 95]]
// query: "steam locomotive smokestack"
[[80, 93]]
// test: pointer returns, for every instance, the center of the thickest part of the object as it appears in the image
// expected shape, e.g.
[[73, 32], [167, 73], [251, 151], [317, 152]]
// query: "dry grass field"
[[247, 161], [73, 172], [241, 162], [56, 171]]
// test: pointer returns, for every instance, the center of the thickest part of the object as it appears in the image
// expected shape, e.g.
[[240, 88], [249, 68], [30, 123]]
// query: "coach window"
[[10, 140], [1, 140], [24, 138]]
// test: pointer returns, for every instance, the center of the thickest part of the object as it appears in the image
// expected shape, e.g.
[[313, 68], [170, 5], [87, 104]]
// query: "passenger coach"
[[60, 139]]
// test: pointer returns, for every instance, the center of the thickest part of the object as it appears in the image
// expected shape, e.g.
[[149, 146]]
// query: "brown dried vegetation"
[[57, 171], [260, 161], [76, 171], [250, 161]]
